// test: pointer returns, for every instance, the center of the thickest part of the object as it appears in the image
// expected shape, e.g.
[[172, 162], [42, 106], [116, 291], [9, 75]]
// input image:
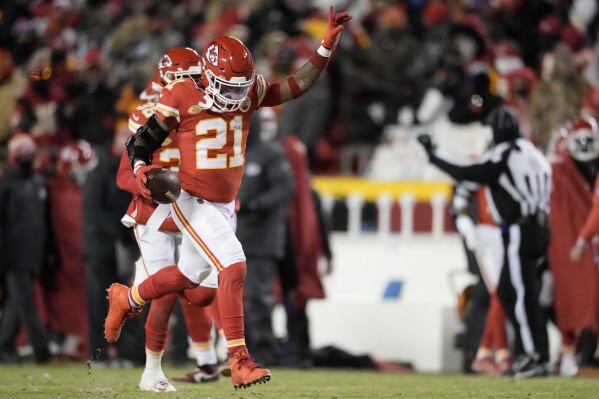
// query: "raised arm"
[[485, 171], [297, 84]]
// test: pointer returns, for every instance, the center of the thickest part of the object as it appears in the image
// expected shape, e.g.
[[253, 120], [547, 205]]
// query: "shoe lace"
[[248, 362]]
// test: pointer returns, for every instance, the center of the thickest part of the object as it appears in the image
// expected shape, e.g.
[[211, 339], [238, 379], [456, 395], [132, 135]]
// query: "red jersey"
[[212, 144], [167, 157]]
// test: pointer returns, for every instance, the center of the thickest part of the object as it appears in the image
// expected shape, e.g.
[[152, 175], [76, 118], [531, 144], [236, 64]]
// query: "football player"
[[211, 117], [159, 248]]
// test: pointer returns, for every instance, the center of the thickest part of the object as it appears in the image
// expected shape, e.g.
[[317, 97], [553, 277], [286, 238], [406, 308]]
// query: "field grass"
[[78, 381]]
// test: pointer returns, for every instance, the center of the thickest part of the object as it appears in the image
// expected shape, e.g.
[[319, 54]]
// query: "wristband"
[[295, 89], [138, 165], [325, 52], [318, 60]]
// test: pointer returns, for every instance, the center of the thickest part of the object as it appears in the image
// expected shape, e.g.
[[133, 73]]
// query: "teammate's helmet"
[[504, 123], [77, 159], [177, 63], [227, 74], [152, 90], [582, 139]]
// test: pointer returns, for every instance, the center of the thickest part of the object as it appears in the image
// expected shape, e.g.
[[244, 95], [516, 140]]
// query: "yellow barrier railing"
[[341, 187]]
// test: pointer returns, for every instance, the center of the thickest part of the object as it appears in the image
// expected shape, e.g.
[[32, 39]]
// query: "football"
[[164, 185]]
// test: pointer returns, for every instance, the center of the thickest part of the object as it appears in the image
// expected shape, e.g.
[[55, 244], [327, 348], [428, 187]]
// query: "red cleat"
[[205, 373], [119, 310], [484, 365], [245, 372]]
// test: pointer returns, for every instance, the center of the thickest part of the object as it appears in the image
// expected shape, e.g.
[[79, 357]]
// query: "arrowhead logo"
[[212, 54], [165, 62]]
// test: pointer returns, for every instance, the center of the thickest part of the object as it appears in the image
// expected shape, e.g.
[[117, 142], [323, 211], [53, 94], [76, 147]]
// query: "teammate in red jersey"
[[211, 118], [159, 247]]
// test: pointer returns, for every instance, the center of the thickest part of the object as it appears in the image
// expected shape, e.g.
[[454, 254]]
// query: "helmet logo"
[[212, 54], [165, 62]]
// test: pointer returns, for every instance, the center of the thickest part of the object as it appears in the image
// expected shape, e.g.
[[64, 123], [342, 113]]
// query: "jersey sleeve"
[[168, 104], [134, 120], [140, 116], [268, 94], [124, 177]]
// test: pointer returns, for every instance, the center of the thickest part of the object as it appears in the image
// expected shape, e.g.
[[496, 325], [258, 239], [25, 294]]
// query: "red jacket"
[[64, 287], [304, 226], [576, 285]]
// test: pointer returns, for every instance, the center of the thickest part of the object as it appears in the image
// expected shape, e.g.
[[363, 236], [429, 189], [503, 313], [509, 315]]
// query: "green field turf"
[[77, 381]]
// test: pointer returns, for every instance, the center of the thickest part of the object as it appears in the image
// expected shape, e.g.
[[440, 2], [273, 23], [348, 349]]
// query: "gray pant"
[[20, 307], [258, 305]]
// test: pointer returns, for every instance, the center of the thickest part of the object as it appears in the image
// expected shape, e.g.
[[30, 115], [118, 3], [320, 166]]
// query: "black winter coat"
[[104, 204], [266, 189], [23, 223]]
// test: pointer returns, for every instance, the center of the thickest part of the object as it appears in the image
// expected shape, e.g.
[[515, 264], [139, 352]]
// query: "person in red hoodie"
[[160, 248], [575, 158], [307, 244], [64, 288]]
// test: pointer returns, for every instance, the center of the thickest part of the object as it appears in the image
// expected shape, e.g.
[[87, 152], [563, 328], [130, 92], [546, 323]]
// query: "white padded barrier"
[[418, 326]]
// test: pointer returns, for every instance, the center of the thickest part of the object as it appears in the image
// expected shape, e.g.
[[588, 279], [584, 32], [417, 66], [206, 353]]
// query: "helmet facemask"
[[228, 95], [584, 145], [194, 72]]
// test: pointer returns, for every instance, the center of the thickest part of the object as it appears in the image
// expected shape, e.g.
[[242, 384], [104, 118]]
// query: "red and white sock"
[[230, 303]]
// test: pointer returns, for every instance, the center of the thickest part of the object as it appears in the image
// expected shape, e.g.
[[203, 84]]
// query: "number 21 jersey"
[[211, 144]]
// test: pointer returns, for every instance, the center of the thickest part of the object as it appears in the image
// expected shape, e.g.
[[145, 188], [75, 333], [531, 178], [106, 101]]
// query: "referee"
[[517, 180]]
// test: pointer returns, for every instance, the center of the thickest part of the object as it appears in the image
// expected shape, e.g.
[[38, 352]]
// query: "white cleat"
[[155, 382], [568, 366]]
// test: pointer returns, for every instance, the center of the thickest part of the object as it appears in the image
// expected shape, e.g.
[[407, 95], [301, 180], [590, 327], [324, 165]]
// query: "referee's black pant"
[[525, 244]]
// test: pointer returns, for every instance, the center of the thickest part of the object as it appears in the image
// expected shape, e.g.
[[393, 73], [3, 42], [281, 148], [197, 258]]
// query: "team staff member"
[[518, 186], [266, 189]]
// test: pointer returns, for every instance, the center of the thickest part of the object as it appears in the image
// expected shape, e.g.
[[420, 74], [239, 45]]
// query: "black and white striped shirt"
[[517, 177]]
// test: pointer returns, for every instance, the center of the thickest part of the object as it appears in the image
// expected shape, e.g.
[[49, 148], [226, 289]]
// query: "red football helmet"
[[579, 137], [228, 74], [152, 90], [77, 159], [177, 63]]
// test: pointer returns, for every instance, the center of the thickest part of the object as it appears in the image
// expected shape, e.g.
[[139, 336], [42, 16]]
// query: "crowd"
[[71, 73]]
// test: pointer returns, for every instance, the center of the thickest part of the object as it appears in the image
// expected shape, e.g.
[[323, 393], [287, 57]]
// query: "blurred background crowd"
[[71, 71]]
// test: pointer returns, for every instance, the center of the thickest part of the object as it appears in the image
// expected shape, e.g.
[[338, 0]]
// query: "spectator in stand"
[[515, 82], [64, 287], [42, 110], [105, 240], [307, 244], [477, 101], [266, 189], [385, 74], [22, 248], [558, 96], [12, 86], [317, 102], [575, 161], [92, 119]]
